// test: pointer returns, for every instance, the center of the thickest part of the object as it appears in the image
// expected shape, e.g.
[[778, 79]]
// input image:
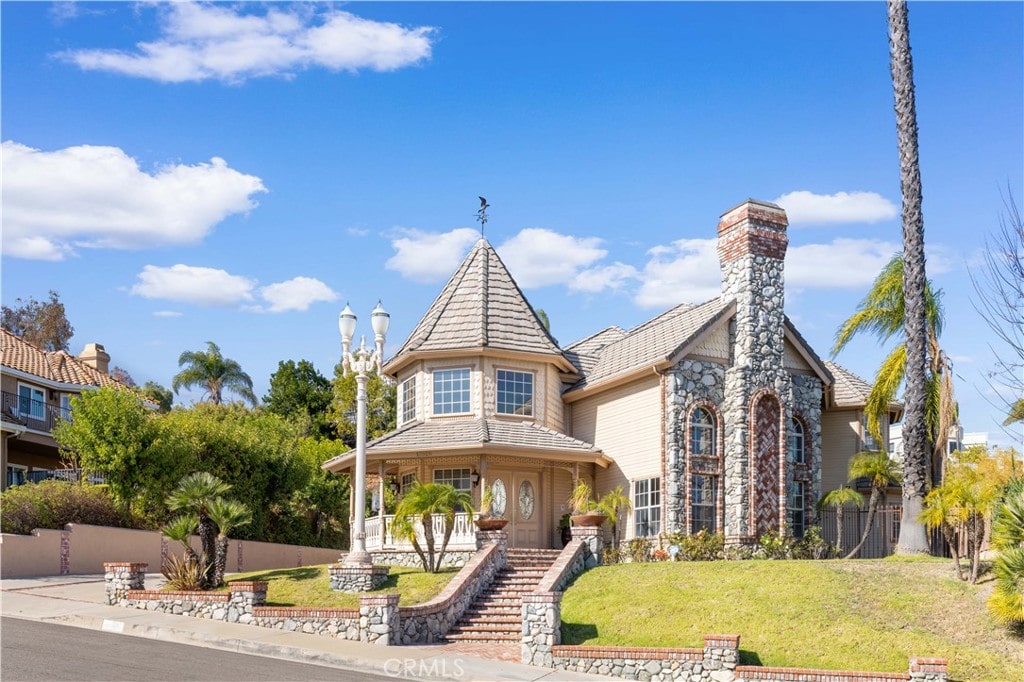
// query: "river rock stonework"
[[347, 578]]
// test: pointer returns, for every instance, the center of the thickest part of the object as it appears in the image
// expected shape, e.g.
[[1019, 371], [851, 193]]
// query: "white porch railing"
[[463, 534]]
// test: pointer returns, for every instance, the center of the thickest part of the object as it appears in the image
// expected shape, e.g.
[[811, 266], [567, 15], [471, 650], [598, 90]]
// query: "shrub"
[[771, 545], [812, 546], [610, 555], [51, 504], [638, 549], [660, 555]]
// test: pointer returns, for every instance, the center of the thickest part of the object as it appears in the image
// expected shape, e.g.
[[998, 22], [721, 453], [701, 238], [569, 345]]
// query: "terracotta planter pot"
[[491, 524], [589, 520]]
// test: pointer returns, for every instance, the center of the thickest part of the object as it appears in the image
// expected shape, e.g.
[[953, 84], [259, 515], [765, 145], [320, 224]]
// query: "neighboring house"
[[958, 439], [709, 416], [37, 387]]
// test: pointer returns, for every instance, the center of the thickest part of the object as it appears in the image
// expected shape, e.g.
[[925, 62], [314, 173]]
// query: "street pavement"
[[78, 601]]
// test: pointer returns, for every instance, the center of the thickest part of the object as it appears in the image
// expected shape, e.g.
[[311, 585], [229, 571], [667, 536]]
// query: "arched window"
[[702, 433], [796, 441]]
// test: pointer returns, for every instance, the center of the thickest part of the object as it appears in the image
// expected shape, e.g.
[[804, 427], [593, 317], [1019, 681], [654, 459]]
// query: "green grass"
[[310, 586], [848, 615]]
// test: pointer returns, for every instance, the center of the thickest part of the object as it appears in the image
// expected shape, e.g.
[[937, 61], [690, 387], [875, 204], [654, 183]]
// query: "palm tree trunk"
[[949, 534], [428, 536], [208, 536], [913, 539], [419, 552], [876, 498], [449, 527], [839, 529], [220, 563]]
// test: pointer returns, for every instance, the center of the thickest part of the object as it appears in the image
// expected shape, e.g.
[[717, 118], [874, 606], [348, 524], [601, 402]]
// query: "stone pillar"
[[721, 652], [929, 670], [542, 627], [593, 538], [494, 537], [378, 619], [121, 576], [245, 594], [356, 577]]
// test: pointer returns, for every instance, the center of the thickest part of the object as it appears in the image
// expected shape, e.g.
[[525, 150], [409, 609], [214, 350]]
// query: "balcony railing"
[[35, 414], [380, 537], [19, 476]]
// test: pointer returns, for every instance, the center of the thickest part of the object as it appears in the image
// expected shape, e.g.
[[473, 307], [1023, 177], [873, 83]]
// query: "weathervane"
[[481, 215]]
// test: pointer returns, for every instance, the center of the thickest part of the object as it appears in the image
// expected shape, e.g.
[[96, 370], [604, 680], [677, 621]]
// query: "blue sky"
[[237, 172]]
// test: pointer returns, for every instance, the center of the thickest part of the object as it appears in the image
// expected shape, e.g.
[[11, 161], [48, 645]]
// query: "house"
[[709, 415], [37, 387]]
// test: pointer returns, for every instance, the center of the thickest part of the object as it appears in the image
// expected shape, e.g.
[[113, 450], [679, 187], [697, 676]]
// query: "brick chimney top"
[[755, 228], [96, 357]]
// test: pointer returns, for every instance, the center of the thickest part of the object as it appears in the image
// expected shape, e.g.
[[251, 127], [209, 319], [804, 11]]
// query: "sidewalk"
[[78, 601]]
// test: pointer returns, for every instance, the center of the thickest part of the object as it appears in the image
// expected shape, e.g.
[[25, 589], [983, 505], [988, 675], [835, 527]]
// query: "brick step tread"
[[503, 611], [508, 602], [484, 638], [482, 630], [515, 581], [474, 621]]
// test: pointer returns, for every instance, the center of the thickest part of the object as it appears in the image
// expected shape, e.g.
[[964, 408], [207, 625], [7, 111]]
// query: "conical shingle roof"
[[481, 307]]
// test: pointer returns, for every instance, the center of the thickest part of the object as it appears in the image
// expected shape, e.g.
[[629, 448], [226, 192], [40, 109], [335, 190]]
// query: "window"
[[451, 391], [515, 392], [703, 493], [408, 400], [457, 478], [65, 405], [796, 441], [796, 509], [407, 482], [647, 507], [31, 402], [869, 440], [702, 433]]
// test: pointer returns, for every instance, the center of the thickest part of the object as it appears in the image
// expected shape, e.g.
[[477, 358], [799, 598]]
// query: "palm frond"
[[887, 383]]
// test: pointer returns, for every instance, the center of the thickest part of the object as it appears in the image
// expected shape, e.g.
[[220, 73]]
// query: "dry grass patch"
[[840, 615], [310, 586]]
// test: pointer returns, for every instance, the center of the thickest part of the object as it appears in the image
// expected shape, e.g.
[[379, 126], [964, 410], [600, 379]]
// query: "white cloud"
[[97, 197], [685, 271], [537, 257], [167, 313], [296, 294], [205, 41], [191, 284], [840, 264], [430, 256], [803, 207], [597, 279], [357, 232]]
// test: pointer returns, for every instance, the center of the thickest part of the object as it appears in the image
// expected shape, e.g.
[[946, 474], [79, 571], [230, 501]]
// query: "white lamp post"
[[362, 361]]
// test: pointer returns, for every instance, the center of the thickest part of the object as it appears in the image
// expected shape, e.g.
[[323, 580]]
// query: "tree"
[[614, 503], [112, 434], [181, 529], [882, 313], [943, 511], [380, 406], [1006, 603], [299, 391], [123, 376], [158, 394], [228, 515], [323, 502], [999, 286], [196, 493], [421, 504], [41, 323], [913, 539], [881, 472], [838, 499], [212, 371]]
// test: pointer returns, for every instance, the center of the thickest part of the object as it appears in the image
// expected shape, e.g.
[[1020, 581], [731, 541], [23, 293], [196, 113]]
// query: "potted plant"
[[584, 510], [488, 520], [565, 529]]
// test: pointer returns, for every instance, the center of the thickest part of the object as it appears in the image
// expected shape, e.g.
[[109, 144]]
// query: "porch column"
[[380, 492]]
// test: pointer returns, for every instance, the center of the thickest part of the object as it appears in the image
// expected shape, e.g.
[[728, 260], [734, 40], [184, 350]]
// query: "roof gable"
[[481, 307], [50, 366]]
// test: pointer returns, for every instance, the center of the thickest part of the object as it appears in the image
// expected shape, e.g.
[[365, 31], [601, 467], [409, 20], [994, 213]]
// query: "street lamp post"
[[361, 362]]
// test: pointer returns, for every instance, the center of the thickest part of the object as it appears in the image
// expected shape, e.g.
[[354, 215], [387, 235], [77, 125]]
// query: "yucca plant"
[[183, 574]]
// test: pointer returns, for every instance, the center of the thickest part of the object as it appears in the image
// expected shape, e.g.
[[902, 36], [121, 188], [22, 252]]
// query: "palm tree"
[[1016, 413], [180, 529], [196, 493], [913, 539], [213, 372], [421, 503], [614, 503], [228, 515], [881, 471], [838, 499], [942, 511]]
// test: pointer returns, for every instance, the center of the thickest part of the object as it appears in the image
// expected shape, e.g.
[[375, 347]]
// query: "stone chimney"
[[96, 357], [752, 249]]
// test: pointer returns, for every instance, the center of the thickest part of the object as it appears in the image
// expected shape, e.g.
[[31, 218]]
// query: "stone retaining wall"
[[719, 655], [570, 563], [451, 559]]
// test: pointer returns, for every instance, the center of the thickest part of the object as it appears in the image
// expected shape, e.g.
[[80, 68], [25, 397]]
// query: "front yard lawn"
[[840, 615], [310, 586]]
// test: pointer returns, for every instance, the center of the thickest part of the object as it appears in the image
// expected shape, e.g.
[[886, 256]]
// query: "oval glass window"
[[525, 500], [500, 502]]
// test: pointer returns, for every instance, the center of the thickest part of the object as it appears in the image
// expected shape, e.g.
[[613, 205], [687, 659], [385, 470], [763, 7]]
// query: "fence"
[[885, 532]]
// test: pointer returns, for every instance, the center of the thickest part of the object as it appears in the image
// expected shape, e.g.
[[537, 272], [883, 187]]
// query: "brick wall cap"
[[542, 598], [248, 586], [735, 639], [387, 599]]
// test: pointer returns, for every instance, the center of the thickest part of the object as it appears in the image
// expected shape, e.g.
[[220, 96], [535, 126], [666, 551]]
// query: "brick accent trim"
[[160, 595], [302, 612], [722, 641], [130, 565], [248, 586], [664, 653], [754, 672], [929, 665]]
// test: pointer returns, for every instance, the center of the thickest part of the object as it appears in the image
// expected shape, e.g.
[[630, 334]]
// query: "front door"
[[520, 493]]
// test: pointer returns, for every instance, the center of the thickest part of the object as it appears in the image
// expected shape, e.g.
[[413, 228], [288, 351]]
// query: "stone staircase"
[[496, 613]]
